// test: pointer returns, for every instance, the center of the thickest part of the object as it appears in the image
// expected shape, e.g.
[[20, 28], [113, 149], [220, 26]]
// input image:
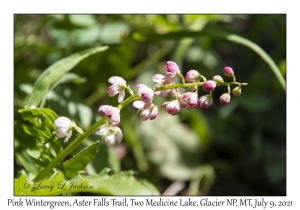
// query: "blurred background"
[[238, 149]]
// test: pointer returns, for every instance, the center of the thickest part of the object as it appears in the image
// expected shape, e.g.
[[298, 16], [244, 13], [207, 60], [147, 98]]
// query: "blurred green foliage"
[[237, 149]]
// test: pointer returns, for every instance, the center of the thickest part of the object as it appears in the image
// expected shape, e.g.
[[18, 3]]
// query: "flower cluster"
[[185, 94]]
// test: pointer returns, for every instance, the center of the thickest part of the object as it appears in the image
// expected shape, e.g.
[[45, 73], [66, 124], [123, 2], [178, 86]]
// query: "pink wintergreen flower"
[[217, 78], [118, 87], [148, 113], [224, 99], [189, 100], [172, 107], [172, 71], [237, 91], [159, 79], [205, 101], [146, 94], [209, 85], [169, 78], [65, 126], [112, 112], [172, 68], [192, 76], [228, 71], [112, 135]]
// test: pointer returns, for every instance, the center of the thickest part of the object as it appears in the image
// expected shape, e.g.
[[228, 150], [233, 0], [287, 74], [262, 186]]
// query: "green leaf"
[[69, 77], [108, 158], [79, 161], [55, 144], [55, 72], [34, 132], [29, 114], [42, 122], [37, 161], [118, 184], [27, 163]]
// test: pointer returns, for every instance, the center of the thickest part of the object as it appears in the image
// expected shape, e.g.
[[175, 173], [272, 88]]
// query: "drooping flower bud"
[[217, 78], [172, 107], [224, 99], [205, 101], [112, 112], [158, 78], [228, 71], [192, 76], [146, 113], [112, 135], [172, 71], [146, 94], [209, 85], [118, 86], [237, 91], [154, 112], [65, 126], [172, 68], [189, 100]]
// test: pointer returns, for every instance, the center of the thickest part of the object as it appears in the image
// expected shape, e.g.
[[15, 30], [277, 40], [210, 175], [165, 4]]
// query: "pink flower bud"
[[217, 78], [110, 140], [146, 94], [158, 78], [118, 86], [154, 112], [209, 85], [64, 128], [146, 113], [112, 112], [172, 68], [205, 101], [172, 71], [61, 132], [225, 99], [112, 135], [192, 76], [169, 77], [237, 91], [189, 100], [172, 107], [228, 71]]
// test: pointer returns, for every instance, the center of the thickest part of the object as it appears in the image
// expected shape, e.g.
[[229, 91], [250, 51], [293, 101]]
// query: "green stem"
[[182, 78], [78, 141], [173, 86]]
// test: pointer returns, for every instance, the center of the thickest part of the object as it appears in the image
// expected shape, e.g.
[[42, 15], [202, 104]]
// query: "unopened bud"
[[192, 76], [217, 78], [205, 101], [237, 91], [225, 99], [209, 85], [172, 107], [228, 71]]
